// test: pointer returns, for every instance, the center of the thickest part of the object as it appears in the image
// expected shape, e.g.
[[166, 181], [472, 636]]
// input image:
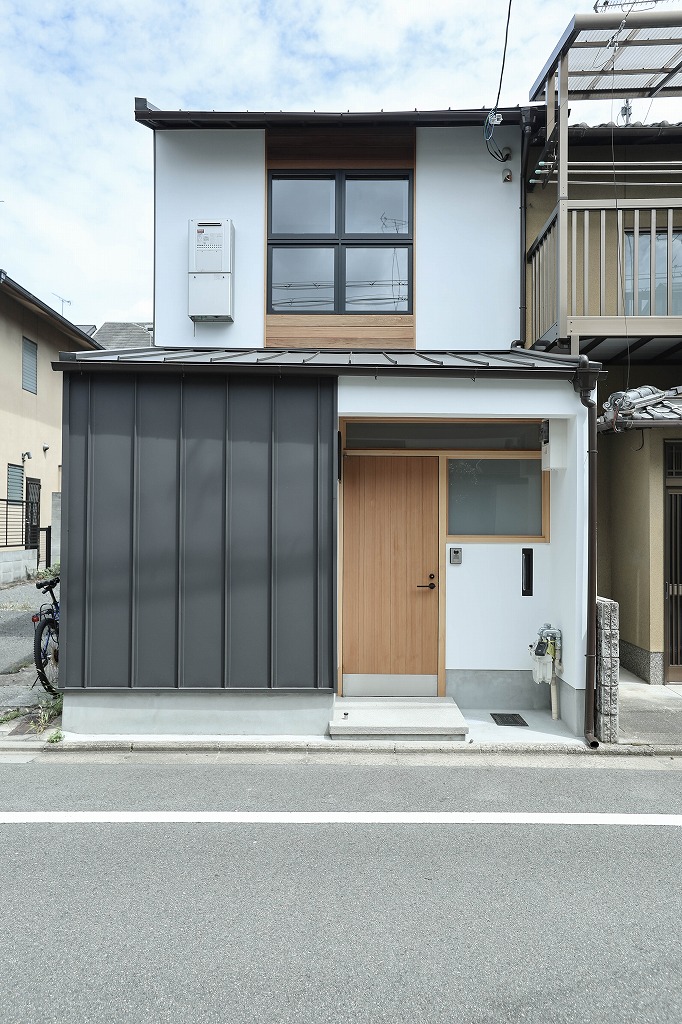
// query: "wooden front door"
[[390, 575]]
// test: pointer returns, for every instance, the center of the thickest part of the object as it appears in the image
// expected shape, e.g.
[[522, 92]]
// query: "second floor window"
[[340, 243], [29, 366], [657, 292]]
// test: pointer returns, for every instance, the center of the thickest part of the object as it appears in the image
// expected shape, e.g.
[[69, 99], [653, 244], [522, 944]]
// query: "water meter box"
[[542, 667], [211, 260]]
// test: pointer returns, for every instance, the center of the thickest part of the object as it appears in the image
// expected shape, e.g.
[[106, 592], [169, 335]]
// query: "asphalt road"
[[336, 922]]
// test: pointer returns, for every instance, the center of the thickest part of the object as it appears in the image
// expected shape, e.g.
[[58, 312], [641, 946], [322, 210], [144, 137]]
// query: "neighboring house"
[[640, 446], [124, 334], [604, 273], [327, 478], [32, 335]]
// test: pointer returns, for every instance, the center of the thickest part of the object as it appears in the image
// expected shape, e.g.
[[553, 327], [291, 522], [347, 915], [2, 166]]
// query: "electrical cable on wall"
[[494, 118]]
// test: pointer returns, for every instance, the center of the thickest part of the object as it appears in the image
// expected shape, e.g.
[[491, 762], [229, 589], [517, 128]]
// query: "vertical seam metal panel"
[[134, 537], [87, 626], [223, 535], [333, 495], [181, 541], [272, 639], [227, 603], [64, 544], [318, 522]]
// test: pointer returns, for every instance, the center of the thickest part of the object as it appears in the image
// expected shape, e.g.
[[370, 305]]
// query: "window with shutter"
[[29, 366], [15, 483]]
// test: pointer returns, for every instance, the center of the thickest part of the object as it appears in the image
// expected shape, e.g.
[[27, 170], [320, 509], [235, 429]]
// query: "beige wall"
[[29, 421], [631, 537]]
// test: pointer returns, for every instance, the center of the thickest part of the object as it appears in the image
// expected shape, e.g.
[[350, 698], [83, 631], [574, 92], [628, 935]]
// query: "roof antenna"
[[64, 302]]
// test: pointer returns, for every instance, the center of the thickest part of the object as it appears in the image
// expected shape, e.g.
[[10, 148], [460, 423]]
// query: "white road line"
[[333, 818]]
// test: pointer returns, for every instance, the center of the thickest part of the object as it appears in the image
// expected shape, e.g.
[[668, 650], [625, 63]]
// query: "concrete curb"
[[338, 748]]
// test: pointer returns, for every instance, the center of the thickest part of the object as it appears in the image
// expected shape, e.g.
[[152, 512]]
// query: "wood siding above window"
[[351, 331], [341, 148]]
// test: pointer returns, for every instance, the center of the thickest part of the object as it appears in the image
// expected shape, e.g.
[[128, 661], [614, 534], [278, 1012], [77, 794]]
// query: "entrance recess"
[[390, 575]]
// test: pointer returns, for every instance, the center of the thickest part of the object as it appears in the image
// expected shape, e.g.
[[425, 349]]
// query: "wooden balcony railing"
[[607, 267]]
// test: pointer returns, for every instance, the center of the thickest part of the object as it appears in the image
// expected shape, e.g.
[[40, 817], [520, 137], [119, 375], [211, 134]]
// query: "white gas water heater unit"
[[211, 271]]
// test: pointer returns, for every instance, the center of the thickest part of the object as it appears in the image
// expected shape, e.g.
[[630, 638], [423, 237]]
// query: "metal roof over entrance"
[[516, 363], [628, 55]]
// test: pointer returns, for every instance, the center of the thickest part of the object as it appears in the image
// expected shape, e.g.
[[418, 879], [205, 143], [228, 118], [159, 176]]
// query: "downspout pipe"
[[525, 151], [585, 383]]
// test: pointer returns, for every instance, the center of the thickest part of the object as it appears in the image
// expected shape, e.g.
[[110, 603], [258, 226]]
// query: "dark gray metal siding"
[[198, 521]]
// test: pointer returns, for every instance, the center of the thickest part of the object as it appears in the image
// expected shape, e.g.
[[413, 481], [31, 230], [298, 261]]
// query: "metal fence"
[[12, 523]]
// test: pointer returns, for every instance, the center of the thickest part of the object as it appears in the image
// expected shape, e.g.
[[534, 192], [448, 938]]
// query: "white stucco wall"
[[466, 248], [488, 623], [215, 174], [466, 285]]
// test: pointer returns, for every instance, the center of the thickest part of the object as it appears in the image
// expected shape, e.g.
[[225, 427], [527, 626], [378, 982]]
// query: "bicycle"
[[46, 638]]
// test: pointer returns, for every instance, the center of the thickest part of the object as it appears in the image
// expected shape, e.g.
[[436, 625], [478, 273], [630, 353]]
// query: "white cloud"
[[76, 173]]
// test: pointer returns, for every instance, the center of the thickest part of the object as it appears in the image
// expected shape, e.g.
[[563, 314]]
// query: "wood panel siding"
[[340, 148], [344, 331]]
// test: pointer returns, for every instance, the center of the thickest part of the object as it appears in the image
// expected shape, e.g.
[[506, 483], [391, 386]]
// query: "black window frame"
[[341, 240]]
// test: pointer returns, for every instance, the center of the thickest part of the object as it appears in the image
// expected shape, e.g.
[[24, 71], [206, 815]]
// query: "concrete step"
[[393, 718]]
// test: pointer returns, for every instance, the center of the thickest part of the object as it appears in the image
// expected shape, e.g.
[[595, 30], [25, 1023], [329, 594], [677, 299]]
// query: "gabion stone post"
[[608, 661]]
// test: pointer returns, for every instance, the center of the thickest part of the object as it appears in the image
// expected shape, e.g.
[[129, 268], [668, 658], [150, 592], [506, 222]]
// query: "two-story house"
[[31, 336], [327, 482], [604, 276]]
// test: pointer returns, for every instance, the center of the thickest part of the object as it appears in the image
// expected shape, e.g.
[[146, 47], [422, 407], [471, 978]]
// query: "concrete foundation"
[[648, 665], [498, 690], [572, 707], [181, 712]]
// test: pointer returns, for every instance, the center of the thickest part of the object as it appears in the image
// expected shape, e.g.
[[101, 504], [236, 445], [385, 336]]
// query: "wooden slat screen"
[[340, 147]]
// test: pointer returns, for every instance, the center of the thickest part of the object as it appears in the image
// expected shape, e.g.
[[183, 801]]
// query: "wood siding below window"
[[344, 331]]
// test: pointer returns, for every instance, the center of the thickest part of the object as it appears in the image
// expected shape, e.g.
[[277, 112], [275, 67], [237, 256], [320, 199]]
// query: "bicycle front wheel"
[[46, 655]]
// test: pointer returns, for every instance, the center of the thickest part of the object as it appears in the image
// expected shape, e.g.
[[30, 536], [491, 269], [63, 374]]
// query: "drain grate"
[[500, 718]]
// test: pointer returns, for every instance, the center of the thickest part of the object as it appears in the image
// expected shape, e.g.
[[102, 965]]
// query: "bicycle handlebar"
[[46, 585]]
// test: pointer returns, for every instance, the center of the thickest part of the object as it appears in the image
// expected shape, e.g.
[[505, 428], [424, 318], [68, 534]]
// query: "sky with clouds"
[[76, 171]]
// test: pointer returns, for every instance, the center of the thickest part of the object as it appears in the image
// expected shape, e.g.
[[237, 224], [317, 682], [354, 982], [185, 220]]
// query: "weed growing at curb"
[[45, 713], [55, 737]]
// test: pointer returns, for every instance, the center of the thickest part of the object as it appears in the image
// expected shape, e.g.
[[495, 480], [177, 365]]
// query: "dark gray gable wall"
[[199, 525]]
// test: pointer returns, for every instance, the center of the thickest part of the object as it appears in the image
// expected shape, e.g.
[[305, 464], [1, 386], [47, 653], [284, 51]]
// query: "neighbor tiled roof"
[[124, 334], [641, 407]]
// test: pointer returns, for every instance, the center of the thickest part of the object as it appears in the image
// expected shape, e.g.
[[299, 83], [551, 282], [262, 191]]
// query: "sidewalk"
[[650, 716]]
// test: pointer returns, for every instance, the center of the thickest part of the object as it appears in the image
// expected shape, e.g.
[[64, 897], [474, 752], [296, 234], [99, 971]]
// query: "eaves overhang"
[[515, 364], [168, 120], [45, 312]]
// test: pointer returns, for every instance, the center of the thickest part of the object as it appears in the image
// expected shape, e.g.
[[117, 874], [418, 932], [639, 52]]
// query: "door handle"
[[429, 586]]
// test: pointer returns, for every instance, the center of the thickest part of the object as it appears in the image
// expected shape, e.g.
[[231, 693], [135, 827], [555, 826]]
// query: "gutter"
[[46, 312], [584, 383]]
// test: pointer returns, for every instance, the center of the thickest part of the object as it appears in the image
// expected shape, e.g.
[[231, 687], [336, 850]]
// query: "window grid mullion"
[[341, 241]]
